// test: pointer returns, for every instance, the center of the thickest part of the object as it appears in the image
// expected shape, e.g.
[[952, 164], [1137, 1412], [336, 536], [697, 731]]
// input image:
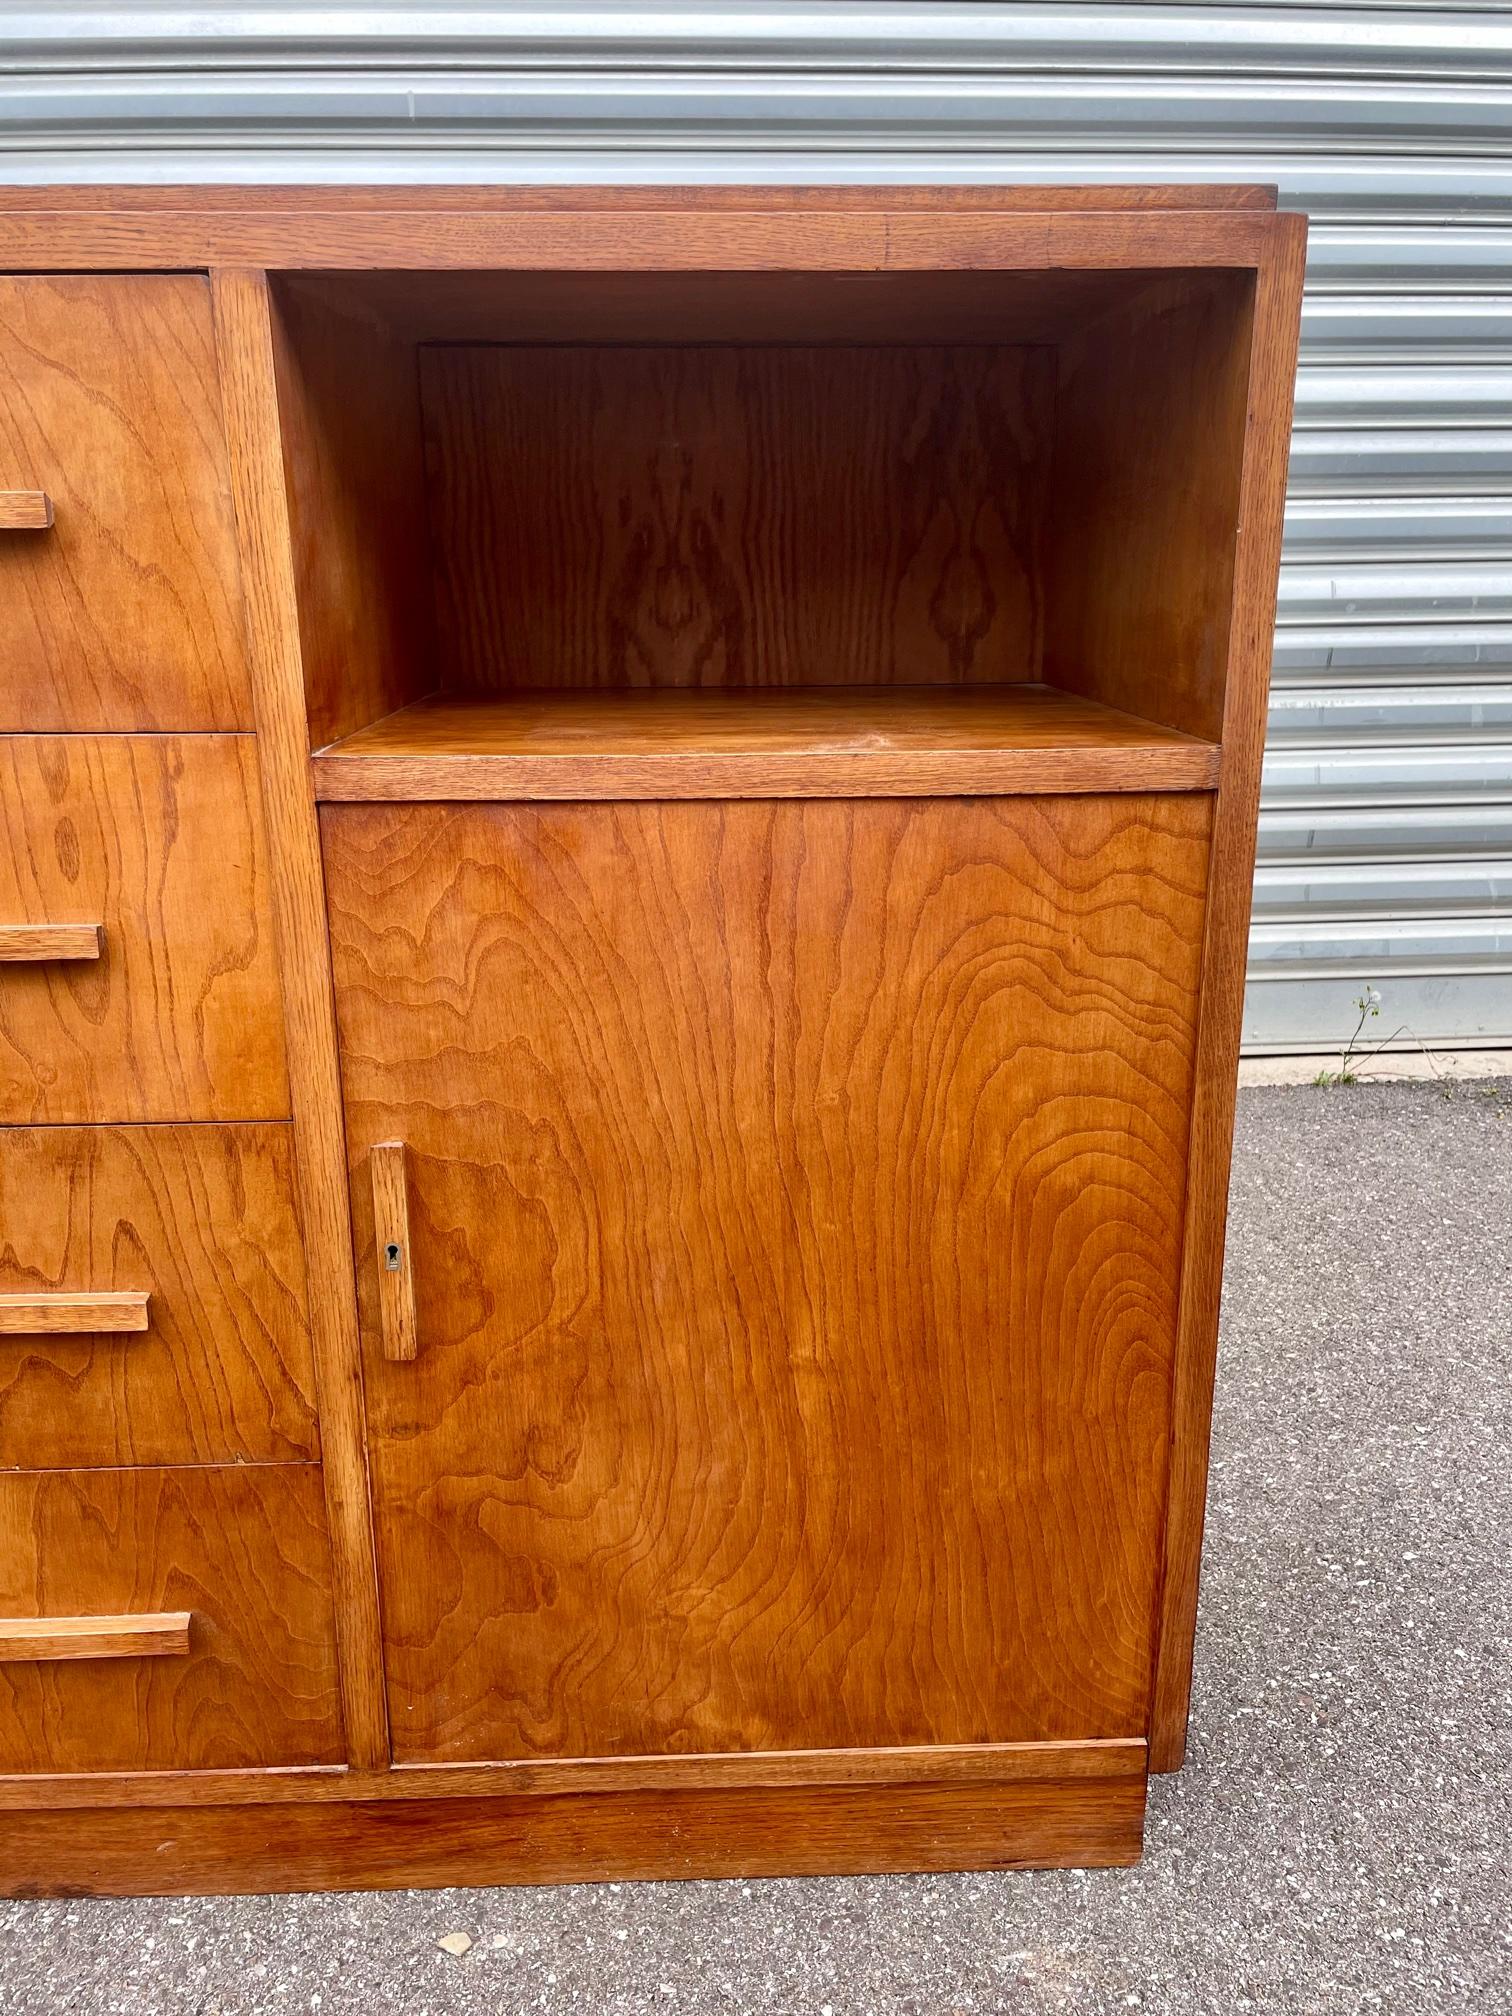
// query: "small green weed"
[[1353, 1053]]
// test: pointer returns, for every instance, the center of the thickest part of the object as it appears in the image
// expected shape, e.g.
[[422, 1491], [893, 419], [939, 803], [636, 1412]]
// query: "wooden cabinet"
[[628, 827]]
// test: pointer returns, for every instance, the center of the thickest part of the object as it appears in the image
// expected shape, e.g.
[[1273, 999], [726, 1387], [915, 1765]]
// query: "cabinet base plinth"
[[580, 1837]]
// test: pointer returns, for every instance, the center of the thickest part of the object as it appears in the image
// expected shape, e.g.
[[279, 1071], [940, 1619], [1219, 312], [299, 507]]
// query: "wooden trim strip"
[[779, 1830], [341, 239], [245, 334], [35, 943], [924, 1764], [25, 511], [1273, 364], [357, 779], [154, 1635], [64, 1314]]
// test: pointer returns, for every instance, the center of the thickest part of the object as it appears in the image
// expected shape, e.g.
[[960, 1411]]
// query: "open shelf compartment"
[[673, 535]]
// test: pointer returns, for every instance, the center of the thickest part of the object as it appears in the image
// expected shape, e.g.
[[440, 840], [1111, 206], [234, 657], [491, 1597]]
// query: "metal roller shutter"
[[1386, 844]]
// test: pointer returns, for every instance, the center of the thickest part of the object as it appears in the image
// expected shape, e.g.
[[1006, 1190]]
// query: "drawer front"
[[165, 1619], [119, 598], [152, 1298], [165, 1007]]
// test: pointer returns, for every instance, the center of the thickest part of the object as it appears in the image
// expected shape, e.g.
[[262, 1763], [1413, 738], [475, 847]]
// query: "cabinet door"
[[795, 1195]]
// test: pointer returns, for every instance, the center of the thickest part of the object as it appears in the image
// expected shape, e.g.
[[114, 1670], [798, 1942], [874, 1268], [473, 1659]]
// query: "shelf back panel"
[[714, 516]]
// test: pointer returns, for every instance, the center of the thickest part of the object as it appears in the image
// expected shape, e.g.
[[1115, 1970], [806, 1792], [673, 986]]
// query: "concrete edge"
[[1395, 1067]]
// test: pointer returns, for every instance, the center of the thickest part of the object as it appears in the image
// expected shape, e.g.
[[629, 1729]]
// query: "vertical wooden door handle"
[[25, 511], [396, 1279]]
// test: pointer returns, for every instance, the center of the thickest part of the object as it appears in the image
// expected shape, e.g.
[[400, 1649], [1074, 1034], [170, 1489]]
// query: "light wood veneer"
[[734, 1134], [178, 1016], [241, 1548], [126, 613], [192, 1233]]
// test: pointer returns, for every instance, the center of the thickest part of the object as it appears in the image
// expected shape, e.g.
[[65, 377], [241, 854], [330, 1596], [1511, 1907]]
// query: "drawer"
[[152, 1298], [141, 983], [154, 1620], [119, 598]]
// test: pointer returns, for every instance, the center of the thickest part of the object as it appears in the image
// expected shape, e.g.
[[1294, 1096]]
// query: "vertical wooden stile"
[[245, 334], [1273, 367]]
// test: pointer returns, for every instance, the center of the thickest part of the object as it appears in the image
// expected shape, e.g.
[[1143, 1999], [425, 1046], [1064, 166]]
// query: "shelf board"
[[768, 742]]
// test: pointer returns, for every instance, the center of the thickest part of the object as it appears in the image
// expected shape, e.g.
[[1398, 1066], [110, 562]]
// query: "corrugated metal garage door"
[[1386, 850]]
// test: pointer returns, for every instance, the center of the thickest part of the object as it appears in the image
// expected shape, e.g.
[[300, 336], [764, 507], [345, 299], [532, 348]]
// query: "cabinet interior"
[[592, 513]]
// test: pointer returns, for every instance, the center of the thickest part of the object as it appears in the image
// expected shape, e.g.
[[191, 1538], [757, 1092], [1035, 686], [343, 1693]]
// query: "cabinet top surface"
[[838, 227]]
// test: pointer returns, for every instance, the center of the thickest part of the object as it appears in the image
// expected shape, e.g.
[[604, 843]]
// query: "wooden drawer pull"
[[51, 941], [396, 1280], [64, 1315], [25, 511], [155, 1635]]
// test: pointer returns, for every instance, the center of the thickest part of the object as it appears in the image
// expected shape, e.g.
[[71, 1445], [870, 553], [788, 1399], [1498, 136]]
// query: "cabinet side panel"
[[349, 399], [1150, 417], [1262, 500]]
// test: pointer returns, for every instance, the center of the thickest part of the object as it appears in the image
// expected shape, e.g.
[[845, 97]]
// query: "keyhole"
[[391, 1256]]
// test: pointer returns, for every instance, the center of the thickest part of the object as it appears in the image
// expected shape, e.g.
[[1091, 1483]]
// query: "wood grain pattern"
[[396, 1281], [179, 1019], [345, 236], [204, 1219], [1002, 306], [349, 398], [70, 1315], [27, 943], [1272, 376], [128, 615], [243, 1548], [896, 741], [247, 338], [25, 511], [146, 1635], [850, 1830], [914, 1764], [735, 517], [1150, 430], [743, 1139]]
